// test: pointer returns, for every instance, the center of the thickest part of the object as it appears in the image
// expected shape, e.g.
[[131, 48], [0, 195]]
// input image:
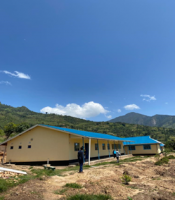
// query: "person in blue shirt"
[[117, 155], [114, 153], [81, 159]]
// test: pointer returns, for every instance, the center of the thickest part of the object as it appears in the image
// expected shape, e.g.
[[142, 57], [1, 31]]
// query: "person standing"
[[81, 159], [114, 153], [117, 155]]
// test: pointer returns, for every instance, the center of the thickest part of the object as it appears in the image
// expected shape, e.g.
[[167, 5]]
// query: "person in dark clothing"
[[81, 159]]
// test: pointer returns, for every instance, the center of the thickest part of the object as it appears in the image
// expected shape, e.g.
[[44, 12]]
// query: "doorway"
[[86, 150]]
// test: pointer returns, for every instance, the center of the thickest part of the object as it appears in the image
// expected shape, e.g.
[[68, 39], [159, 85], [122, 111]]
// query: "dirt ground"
[[149, 182]]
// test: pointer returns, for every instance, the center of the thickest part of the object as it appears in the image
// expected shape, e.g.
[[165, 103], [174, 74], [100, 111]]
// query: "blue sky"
[[89, 59]]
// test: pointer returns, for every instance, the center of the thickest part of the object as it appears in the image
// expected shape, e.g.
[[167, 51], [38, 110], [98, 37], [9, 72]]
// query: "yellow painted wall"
[[46, 144], [94, 153], [155, 148], [52, 145]]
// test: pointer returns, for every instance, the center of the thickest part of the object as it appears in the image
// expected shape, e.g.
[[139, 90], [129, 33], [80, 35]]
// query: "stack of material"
[[7, 173]]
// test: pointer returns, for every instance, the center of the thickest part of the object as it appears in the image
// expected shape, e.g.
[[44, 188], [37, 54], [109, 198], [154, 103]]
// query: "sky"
[[95, 60]]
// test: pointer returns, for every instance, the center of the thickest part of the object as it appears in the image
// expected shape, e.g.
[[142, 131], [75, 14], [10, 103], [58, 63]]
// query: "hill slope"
[[23, 114], [156, 120]]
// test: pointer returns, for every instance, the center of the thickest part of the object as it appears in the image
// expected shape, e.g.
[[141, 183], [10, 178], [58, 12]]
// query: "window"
[[103, 146], [11, 147], [147, 147], [96, 146], [20, 147], [118, 146], [76, 146], [108, 146], [29, 146], [114, 146], [132, 148]]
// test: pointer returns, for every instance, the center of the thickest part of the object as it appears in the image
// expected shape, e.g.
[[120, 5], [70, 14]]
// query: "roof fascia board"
[[155, 140], [139, 144], [37, 125]]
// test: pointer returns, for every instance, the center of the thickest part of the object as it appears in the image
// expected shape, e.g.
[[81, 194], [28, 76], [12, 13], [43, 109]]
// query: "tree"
[[9, 129], [21, 127]]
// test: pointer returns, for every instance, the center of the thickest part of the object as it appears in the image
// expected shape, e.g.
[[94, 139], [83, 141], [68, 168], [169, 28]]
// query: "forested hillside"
[[23, 115]]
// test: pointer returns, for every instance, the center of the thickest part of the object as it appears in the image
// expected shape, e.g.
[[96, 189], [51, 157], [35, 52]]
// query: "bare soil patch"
[[149, 182]]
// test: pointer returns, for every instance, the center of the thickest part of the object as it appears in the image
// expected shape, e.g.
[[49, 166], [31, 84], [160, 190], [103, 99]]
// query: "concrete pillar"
[[89, 151], [98, 150]]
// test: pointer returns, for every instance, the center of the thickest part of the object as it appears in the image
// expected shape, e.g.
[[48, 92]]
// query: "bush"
[[125, 179], [73, 185], [171, 157], [162, 161], [89, 197]]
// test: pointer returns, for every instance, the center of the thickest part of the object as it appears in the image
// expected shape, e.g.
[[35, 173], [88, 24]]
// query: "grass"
[[162, 161], [125, 179], [5, 184], [132, 159], [2, 198], [173, 194], [171, 157], [73, 185], [158, 178], [89, 197], [60, 191], [129, 198], [133, 187]]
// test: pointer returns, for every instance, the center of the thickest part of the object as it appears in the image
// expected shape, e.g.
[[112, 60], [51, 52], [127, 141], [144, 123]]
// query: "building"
[[59, 146], [142, 145]]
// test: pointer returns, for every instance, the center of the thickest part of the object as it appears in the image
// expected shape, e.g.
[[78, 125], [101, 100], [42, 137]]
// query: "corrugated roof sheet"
[[87, 134], [162, 145], [141, 140]]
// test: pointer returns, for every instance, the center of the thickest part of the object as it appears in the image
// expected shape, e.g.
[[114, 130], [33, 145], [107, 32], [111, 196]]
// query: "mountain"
[[166, 121], [22, 115]]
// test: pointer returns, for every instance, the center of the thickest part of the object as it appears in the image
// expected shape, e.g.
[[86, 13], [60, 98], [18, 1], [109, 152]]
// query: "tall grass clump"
[[125, 179], [89, 197], [73, 185], [162, 161]]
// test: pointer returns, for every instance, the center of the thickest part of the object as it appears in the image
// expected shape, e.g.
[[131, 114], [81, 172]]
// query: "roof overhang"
[[80, 136]]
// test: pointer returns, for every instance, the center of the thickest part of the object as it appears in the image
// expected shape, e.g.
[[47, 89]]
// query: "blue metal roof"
[[87, 134], [141, 140], [162, 145]]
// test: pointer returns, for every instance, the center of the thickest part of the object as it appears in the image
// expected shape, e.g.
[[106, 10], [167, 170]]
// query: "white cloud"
[[109, 116], [17, 74], [131, 107], [147, 97], [87, 110], [119, 110], [5, 82]]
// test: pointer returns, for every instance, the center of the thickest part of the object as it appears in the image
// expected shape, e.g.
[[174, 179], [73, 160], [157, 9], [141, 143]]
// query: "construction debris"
[[6, 173]]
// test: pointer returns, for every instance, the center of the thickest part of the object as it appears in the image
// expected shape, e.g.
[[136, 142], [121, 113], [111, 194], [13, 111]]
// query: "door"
[[87, 150]]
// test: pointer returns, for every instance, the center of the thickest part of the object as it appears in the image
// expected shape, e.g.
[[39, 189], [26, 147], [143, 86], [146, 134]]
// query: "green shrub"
[[162, 161], [73, 185], [89, 197], [171, 157], [2, 198], [129, 198], [125, 179], [60, 191]]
